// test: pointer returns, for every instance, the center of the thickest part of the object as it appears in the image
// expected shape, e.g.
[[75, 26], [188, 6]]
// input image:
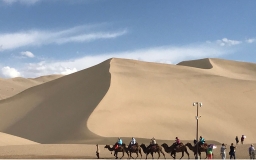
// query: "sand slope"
[[57, 111], [13, 86], [7, 140], [126, 98], [226, 68], [149, 99]]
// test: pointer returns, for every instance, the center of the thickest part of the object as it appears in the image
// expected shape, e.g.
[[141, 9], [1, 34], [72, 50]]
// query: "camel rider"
[[177, 142], [133, 142], [119, 142], [201, 141], [195, 141], [153, 141]]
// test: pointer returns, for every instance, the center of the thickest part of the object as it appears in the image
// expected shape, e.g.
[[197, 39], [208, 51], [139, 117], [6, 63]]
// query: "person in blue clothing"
[[201, 141], [119, 142]]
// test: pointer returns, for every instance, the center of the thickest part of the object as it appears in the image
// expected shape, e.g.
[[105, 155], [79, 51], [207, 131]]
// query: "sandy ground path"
[[83, 151]]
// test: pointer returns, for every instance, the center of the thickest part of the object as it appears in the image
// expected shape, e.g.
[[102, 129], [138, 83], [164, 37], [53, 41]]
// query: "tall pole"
[[197, 117], [197, 131]]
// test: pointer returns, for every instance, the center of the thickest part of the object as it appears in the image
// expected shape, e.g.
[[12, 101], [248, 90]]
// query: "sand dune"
[[7, 139], [11, 87], [126, 98], [225, 68], [57, 111], [156, 100]]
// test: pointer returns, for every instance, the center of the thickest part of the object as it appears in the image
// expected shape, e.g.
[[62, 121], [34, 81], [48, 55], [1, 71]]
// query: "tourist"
[[223, 151], [242, 139], [210, 151], [252, 152], [232, 151], [237, 140]]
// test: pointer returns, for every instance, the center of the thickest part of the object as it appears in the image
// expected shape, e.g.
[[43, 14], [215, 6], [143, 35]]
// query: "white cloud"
[[165, 54], [27, 2], [228, 42], [8, 72], [90, 37], [37, 37], [28, 54], [44, 68], [250, 40]]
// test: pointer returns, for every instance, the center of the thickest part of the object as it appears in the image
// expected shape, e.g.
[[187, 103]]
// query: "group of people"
[[232, 151], [133, 142], [153, 142], [242, 139], [200, 143]]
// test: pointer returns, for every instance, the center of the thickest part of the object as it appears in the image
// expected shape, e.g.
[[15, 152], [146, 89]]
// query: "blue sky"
[[42, 37]]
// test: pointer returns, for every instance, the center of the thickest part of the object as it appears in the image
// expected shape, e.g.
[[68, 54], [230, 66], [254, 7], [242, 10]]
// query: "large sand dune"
[[57, 111], [129, 98], [156, 100]]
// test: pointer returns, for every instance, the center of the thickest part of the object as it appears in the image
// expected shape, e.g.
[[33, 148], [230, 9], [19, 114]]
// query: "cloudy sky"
[[42, 37]]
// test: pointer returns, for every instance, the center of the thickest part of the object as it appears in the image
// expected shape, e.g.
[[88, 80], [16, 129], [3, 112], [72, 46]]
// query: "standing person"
[[223, 151], [97, 151], [232, 151], [242, 139], [209, 151], [237, 140], [252, 152]]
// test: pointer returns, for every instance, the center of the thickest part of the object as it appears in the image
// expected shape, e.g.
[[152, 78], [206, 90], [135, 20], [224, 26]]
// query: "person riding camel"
[[201, 141], [177, 143], [195, 142], [133, 142], [119, 142], [152, 143]]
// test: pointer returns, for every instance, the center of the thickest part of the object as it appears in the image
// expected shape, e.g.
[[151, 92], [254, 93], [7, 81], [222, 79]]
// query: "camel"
[[170, 149], [152, 149], [135, 149], [119, 149], [193, 148]]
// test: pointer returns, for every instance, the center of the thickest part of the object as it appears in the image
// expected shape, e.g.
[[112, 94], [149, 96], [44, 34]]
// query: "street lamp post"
[[197, 104]]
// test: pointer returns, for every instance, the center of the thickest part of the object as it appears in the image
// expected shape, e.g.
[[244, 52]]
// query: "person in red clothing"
[[177, 142], [242, 139]]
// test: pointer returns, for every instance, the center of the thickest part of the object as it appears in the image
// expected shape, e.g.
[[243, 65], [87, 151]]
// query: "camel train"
[[155, 148]]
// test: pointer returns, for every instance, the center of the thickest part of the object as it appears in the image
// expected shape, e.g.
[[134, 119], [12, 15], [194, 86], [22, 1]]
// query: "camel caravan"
[[153, 147]]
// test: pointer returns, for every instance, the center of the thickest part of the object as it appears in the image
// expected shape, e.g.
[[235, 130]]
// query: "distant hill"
[[10, 87]]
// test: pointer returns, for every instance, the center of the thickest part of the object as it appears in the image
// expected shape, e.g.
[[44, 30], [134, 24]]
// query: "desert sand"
[[13, 86], [66, 116]]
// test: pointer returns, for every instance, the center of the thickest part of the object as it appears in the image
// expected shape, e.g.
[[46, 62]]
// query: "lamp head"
[[200, 104]]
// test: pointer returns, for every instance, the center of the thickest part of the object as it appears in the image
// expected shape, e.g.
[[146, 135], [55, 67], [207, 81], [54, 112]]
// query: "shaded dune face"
[[201, 63], [57, 111], [225, 68]]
